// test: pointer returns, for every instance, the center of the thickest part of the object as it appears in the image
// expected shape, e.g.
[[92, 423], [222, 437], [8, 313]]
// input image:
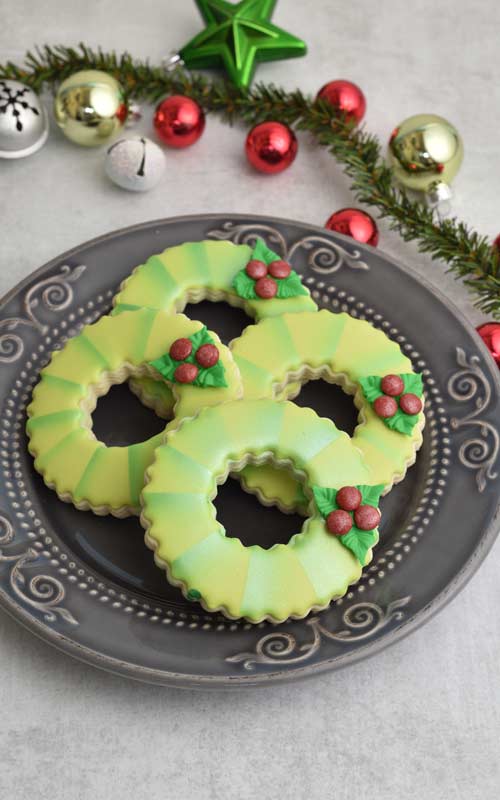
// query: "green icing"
[[358, 541], [206, 377], [291, 286], [400, 422], [282, 581], [273, 351], [109, 479]]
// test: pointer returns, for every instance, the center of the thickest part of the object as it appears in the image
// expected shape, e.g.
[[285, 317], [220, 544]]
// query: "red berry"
[[366, 518], [279, 269], [348, 498], [410, 404], [256, 269], [392, 385], [186, 373], [207, 355], [339, 522], [266, 288], [385, 406], [180, 349]]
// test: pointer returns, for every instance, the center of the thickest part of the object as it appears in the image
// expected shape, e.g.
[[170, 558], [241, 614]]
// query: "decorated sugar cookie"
[[278, 355], [211, 565], [84, 471], [257, 281]]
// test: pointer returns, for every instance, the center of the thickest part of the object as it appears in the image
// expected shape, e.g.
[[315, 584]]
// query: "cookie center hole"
[[245, 518], [227, 321], [120, 419], [329, 400]]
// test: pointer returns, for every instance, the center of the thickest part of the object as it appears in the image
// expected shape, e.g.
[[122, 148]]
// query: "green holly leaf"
[[401, 422], [359, 542], [413, 383], [207, 376], [165, 366], [211, 376], [198, 339], [244, 286], [325, 499], [371, 387], [290, 287], [370, 495], [261, 252]]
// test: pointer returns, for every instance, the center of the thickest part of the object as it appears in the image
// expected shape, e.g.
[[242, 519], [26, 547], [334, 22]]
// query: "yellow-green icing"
[[189, 273], [182, 528], [68, 455], [339, 347]]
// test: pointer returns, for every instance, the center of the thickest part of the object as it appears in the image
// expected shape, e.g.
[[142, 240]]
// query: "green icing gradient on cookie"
[[189, 273], [80, 468], [273, 355], [208, 563]]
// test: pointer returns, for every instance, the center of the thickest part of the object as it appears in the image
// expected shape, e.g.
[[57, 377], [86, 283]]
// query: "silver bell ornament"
[[136, 164], [24, 125]]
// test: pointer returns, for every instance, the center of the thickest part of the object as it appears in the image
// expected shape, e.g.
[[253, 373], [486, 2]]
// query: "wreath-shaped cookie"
[[256, 280], [84, 471], [316, 565], [280, 354]]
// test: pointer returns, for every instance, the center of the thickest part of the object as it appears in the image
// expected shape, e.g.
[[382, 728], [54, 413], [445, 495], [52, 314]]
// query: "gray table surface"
[[421, 719]]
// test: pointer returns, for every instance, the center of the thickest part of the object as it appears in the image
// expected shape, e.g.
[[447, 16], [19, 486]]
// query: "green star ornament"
[[237, 36]]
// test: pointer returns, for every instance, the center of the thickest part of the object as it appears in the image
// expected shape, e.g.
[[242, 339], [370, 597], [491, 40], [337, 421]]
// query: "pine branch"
[[469, 256]]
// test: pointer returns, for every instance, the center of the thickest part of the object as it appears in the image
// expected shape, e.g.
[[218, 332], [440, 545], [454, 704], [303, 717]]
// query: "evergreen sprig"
[[468, 254]]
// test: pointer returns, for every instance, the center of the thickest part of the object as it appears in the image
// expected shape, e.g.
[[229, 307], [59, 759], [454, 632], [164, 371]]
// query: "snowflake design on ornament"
[[13, 101]]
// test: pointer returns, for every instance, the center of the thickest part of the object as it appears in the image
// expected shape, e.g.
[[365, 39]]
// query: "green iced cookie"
[[217, 569], [81, 469]]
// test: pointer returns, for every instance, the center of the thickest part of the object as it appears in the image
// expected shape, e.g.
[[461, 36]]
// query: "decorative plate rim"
[[66, 644]]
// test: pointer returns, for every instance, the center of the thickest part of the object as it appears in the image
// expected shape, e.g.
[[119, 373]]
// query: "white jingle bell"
[[24, 125], [136, 164]]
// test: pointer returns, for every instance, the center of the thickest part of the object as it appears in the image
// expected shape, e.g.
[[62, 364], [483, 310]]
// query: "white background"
[[421, 720]]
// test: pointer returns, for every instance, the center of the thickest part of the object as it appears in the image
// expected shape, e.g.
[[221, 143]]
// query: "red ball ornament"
[[354, 223], [180, 349], [186, 373], [410, 404], [490, 334], [348, 498], [271, 147], [385, 406], [339, 522], [207, 355], [256, 269], [266, 288], [346, 97], [366, 518], [392, 385], [179, 121], [279, 269]]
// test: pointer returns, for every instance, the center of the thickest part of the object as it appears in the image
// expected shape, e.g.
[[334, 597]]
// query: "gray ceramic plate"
[[88, 585]]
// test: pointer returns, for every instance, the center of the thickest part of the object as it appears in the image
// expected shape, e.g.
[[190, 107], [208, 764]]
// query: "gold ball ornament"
[[90, 107], [425, 153]]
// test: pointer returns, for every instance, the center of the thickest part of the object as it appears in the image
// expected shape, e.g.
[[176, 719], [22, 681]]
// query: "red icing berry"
[[392, 385], [207, 355], [366, 518], [180, 349], [186, 373], [339, 522], [348, 498], [279, 269], [385, 406], [410, 404], [266, 288], [256, 269]]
